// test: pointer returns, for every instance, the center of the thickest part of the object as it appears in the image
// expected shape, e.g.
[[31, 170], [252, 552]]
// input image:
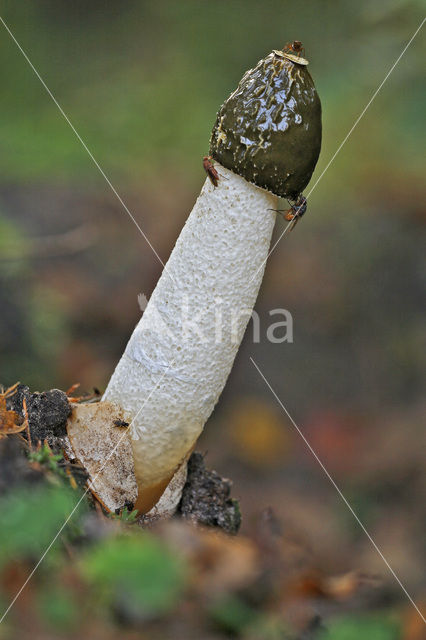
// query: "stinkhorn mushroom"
[[265, 143]]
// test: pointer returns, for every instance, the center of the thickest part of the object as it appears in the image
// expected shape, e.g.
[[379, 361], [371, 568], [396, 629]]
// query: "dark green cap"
[[269, 129]]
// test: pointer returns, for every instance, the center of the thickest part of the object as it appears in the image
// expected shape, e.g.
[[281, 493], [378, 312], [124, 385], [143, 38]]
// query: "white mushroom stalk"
[[183, 348], [265, 144]]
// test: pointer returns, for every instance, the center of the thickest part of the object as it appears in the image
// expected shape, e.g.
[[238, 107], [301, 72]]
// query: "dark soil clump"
[[206, 498], [48, 412]]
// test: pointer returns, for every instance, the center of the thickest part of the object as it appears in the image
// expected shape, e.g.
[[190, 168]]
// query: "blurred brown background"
[[141, 82]]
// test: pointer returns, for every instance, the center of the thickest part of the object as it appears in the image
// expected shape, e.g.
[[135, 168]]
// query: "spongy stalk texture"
[[180, 354]]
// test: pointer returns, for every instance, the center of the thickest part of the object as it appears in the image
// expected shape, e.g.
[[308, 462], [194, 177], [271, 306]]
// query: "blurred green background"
[[141, 82]]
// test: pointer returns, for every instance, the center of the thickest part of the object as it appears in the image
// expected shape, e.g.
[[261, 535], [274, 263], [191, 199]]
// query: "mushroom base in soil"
[[265, 144]]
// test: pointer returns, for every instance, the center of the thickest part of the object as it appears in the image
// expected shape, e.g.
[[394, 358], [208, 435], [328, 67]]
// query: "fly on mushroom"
[[294, 47], [120, 423], [210, 170], [295, 212]]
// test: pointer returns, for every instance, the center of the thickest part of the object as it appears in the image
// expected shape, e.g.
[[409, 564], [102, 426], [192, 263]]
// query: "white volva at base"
[[180, 354]]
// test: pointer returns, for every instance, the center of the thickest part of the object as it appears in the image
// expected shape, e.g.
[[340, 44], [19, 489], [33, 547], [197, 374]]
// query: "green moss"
[[139, 569], [232, 614], [29, 520], [269, 129], [126, 516], [233, 517], [363, 626], [58, 608], [46, 458]]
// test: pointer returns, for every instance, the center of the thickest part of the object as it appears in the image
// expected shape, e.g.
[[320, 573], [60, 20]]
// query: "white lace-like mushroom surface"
[[178, 359], [183, 348]]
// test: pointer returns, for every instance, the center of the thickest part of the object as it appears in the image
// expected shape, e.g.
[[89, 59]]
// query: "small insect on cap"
[[269, 129]]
